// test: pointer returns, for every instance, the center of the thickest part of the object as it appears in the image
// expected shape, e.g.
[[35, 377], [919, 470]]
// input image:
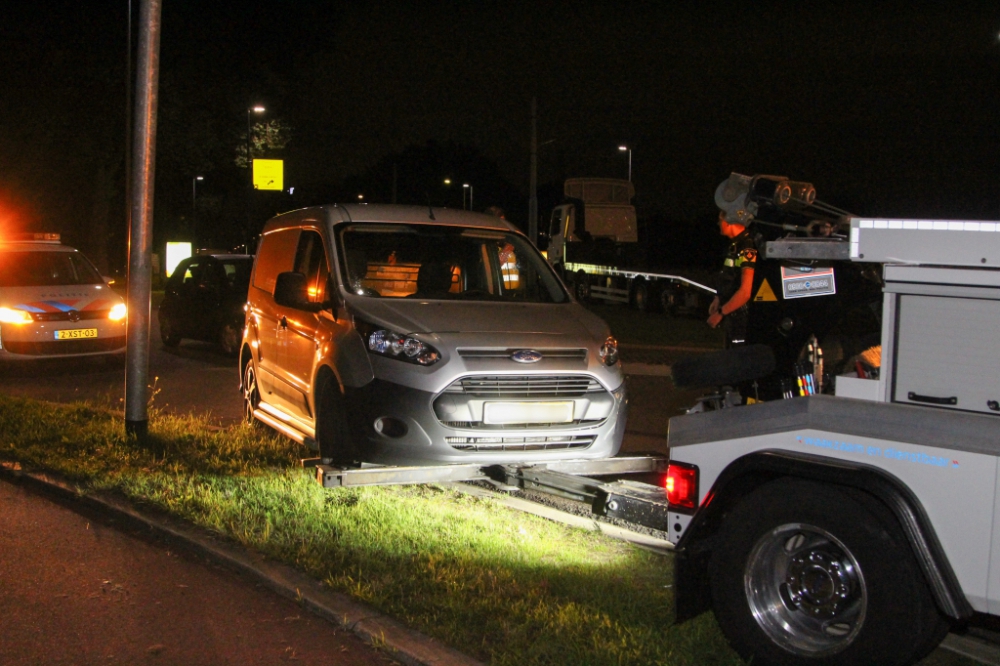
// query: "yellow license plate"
[[76, 333]]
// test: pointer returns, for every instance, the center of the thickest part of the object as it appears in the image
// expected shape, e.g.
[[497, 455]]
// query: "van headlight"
[[117, 312], [386, 342], [608, 353]]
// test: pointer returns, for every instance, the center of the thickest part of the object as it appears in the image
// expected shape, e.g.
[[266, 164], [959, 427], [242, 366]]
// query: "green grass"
[[633, 327], [506, 587]]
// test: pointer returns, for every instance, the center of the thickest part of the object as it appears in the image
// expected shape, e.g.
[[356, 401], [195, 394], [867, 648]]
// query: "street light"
[[629, 150], [472, 204], [194, 204]]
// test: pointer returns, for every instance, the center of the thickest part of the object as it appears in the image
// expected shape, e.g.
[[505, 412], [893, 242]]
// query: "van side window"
[[310, 260], [275, 255]]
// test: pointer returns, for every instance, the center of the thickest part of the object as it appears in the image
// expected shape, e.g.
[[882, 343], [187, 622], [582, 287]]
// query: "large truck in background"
[[593, 243]]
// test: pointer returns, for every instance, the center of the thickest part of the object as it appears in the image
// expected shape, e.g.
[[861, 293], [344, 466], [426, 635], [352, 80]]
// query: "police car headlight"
[[608, 353], [12, 316], [117, 313]]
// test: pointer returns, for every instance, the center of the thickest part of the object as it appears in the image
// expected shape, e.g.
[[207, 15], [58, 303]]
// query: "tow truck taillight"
[[682, 486]]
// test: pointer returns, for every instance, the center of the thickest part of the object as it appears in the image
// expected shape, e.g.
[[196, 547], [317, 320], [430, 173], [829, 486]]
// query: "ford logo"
[[526, 356]]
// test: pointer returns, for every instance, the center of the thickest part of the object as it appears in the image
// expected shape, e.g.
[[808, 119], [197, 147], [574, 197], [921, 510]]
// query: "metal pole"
[[630, 165], [141, 222], [533, 186], [246, 234]]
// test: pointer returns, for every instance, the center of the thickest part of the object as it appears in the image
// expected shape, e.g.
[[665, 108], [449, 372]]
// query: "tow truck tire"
[[333, 433], [818, 574]]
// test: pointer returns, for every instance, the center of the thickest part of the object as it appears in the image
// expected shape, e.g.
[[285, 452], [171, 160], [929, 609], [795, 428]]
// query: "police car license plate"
[[509, 413], [76, 333]]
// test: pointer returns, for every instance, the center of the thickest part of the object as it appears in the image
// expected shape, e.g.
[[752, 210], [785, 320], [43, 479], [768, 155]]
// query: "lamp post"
[[471, 195], [258, 109], [194, 205], [624, 148]]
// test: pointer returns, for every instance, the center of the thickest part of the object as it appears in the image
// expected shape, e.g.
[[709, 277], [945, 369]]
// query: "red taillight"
[[682, 486]]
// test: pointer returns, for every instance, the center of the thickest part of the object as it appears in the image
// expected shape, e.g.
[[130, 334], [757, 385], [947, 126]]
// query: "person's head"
[[729, 229]]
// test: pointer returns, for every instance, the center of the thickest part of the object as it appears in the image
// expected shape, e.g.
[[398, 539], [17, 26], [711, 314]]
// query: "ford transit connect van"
[[417, 335]]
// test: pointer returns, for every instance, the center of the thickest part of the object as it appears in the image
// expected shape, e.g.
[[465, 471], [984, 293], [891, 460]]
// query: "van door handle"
[[934, 400]]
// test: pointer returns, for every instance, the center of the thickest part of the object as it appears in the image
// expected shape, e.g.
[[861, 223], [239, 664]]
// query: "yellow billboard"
[[269, 175]]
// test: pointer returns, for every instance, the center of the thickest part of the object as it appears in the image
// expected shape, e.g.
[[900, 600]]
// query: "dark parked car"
[[204, 299]]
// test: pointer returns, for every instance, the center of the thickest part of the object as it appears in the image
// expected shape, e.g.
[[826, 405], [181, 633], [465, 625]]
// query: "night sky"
[[889, 110]]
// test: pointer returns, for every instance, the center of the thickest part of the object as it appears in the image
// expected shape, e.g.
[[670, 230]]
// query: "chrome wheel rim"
[[805, 590], [251, 394]]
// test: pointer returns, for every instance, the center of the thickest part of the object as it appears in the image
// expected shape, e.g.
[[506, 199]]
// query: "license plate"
[[510, 413], [75, 333]]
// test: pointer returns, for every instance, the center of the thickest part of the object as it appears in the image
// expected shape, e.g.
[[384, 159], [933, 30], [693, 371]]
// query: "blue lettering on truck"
[[877, 451]]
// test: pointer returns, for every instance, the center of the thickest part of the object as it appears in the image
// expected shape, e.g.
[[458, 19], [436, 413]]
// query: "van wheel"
[[230, 338], [251, 393], [333, 432], [168, 332], [581, 287], [808, 572]]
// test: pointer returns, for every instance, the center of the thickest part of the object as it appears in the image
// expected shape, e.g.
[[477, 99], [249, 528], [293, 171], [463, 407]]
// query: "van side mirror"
[[291, 291]]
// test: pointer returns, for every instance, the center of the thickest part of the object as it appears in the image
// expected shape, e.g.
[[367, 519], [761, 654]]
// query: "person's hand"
[[714, 306], [715, 319]]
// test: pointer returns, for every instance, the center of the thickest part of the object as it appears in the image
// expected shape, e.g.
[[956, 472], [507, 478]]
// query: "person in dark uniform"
[[735, 284]]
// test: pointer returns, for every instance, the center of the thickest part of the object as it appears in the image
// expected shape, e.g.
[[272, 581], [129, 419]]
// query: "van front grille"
[[530, 386], [539, 443]]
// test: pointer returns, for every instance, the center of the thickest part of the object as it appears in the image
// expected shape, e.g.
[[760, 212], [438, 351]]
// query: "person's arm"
[[739, 299]]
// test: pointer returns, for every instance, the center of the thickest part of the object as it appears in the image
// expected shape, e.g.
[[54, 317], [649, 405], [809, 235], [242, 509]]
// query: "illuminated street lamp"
[[466, 186], [629, 151]]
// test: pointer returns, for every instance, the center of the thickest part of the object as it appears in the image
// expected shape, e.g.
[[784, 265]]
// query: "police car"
[[54, 303]]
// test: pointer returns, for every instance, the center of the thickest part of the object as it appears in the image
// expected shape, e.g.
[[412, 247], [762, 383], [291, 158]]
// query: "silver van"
[[418, 335]]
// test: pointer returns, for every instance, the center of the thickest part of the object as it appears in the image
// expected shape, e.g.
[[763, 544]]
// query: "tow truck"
[[858, 524]]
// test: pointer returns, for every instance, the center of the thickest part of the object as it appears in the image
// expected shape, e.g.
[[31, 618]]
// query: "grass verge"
[[503, 586]]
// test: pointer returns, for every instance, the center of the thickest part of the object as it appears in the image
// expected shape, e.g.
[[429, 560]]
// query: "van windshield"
[[445, 263]]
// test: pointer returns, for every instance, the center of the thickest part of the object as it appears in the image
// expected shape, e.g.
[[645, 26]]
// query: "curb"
[[395, 639]]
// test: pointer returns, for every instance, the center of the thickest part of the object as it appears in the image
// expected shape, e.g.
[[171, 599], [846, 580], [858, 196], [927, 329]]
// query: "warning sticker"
[[765, 293], [803, 281]]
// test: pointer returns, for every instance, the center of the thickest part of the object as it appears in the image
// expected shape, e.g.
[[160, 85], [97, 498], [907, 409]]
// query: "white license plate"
[[76, 333], [510, 413]]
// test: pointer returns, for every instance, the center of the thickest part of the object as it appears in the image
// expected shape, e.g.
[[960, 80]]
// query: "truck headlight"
[[608, 353], [386, 342]]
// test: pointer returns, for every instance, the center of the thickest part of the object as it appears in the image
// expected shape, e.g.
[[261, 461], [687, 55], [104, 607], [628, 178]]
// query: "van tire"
[[581, 287], [333, 432], [230, 338], [641, 295], [818, 573], [251, 393]]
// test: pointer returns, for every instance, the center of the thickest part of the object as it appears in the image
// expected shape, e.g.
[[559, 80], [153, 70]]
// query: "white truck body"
[[924, 444]]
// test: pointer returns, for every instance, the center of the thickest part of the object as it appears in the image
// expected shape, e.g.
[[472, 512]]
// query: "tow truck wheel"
[[332, 432], [809, 572]]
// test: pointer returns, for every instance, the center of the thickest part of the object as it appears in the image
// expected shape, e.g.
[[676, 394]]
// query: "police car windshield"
[[46, 269]]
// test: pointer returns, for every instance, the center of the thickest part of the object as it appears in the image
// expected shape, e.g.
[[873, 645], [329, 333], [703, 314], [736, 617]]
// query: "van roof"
[[392, 213]]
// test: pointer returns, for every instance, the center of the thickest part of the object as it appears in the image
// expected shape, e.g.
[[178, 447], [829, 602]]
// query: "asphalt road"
[[75, 590], [195, 377]]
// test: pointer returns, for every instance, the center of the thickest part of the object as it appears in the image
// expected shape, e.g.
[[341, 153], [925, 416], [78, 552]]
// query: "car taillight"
[[682, 486]]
